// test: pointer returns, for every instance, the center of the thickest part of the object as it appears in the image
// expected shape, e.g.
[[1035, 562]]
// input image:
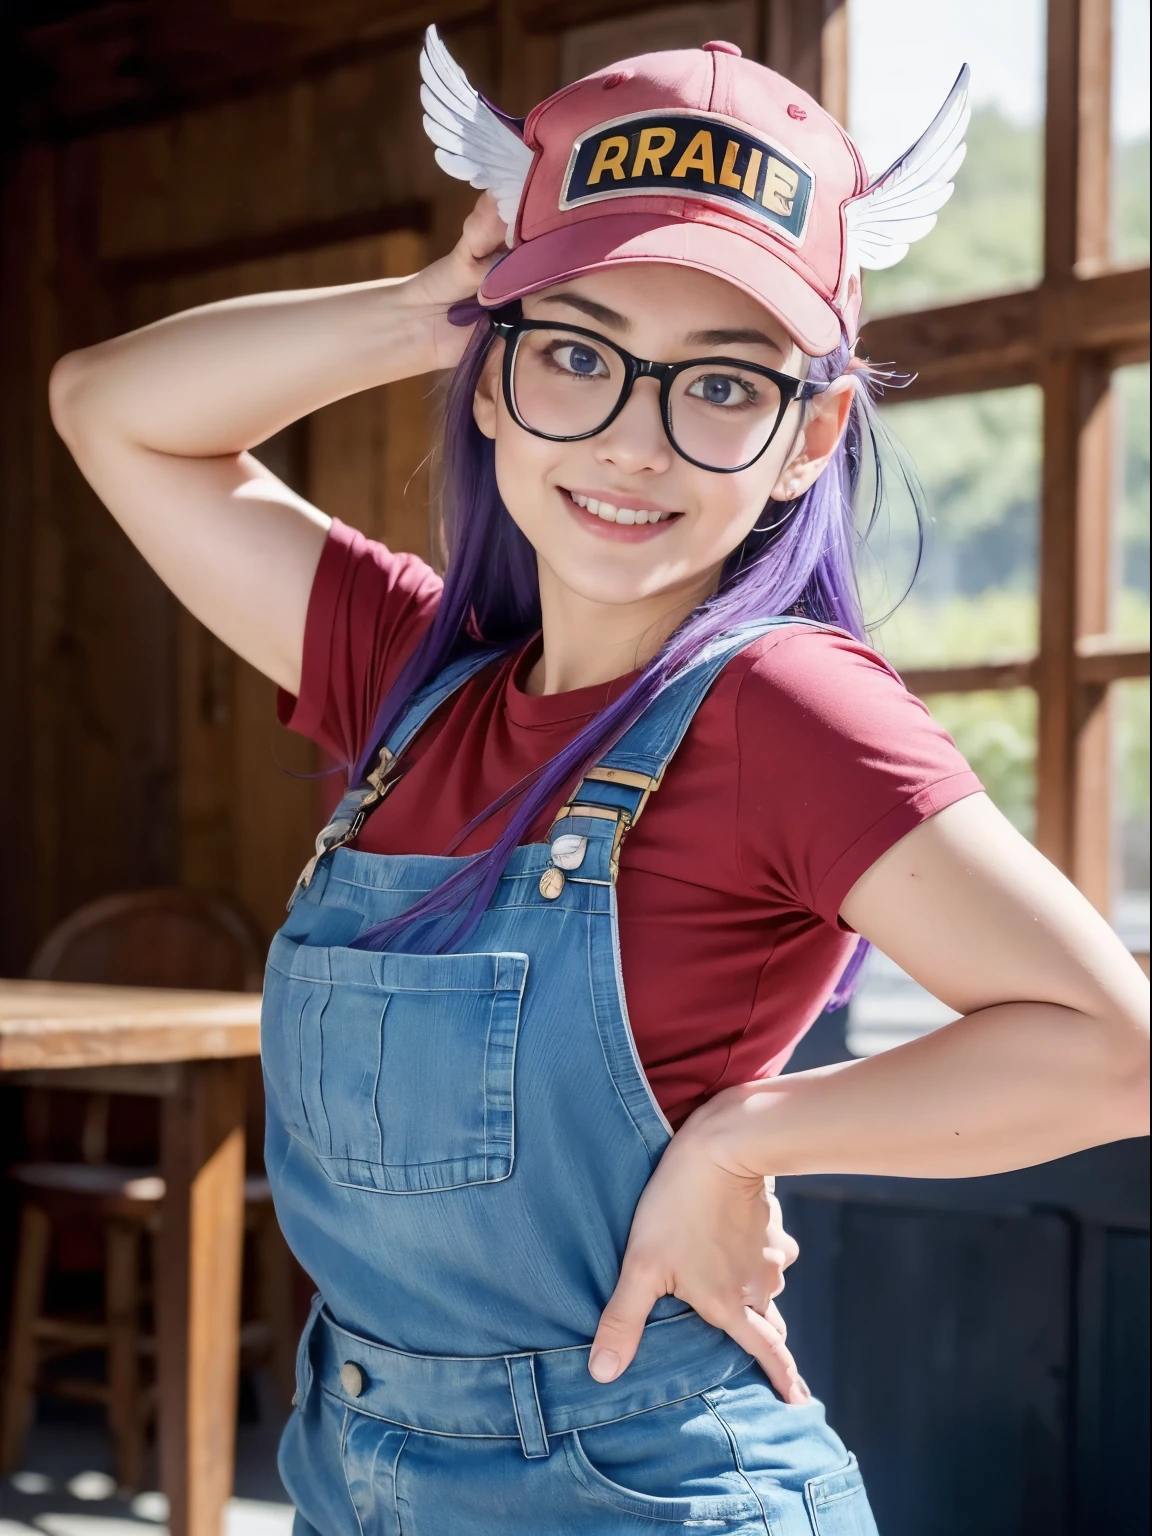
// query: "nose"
[[636, 442]]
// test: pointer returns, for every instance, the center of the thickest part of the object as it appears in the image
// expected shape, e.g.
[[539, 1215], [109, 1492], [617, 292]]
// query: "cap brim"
[[613, 240]]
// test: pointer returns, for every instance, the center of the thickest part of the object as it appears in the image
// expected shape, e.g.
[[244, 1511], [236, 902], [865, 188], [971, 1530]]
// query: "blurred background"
[[982, 1345]]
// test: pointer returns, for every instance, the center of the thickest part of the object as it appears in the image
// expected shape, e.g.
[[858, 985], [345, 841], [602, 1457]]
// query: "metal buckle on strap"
[[625, 820], [336, 834]]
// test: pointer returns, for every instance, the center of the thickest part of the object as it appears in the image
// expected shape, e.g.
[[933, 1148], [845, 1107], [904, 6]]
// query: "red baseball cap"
[[700, 158]]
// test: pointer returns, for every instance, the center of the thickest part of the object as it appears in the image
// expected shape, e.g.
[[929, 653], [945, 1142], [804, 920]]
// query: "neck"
[[586, 642]]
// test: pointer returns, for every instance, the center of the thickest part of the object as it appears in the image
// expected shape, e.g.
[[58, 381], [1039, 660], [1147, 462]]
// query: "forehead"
[[659, 298]]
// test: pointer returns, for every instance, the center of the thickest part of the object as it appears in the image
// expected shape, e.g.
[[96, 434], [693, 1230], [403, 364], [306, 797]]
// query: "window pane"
[[903, 58], [996, 731], [997, 734], [1130, 508], [1130, 811], [1129, 130], [974, 598]]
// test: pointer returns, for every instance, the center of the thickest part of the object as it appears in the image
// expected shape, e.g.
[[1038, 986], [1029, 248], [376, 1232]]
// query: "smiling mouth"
[[607, 512]]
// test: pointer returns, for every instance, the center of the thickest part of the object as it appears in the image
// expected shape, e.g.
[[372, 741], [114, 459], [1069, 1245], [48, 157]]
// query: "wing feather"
[[472, 142], [900, 207]]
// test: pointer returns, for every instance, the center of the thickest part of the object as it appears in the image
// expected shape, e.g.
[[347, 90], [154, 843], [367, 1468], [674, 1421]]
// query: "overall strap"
[[360, 800], [424, 704], [616, 790]]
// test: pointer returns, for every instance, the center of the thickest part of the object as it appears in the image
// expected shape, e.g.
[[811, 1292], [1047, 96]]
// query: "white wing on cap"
[[472, 142], [900, 207]]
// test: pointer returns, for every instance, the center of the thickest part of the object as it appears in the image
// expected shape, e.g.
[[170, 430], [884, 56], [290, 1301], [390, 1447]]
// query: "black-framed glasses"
[[566, 383]]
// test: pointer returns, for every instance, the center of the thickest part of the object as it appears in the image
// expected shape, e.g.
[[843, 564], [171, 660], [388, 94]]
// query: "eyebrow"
[[726, 336], [743, 336], [590, 308]]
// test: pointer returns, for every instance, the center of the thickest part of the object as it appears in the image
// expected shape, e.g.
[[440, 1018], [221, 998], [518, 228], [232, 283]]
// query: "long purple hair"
[[803, 562]]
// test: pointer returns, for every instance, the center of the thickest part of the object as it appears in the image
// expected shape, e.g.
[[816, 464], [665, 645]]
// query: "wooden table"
[[187, 1048]]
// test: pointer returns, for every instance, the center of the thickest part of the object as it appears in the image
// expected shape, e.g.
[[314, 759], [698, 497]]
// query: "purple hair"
[[802, 563]]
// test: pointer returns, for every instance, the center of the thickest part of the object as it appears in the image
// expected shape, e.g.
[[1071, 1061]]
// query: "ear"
[[485, 402], [824, 421]]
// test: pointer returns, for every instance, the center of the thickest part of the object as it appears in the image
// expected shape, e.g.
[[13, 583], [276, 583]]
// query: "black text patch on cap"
[[683, 154]]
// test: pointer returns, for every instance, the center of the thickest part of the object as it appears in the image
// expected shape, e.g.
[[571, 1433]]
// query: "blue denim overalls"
[[456, 1144]]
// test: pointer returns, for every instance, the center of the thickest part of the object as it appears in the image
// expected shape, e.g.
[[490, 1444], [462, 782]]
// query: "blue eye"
[[721, 389], [581, 359]]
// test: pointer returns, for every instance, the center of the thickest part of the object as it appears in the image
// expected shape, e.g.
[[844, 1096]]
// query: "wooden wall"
[[169, 160]]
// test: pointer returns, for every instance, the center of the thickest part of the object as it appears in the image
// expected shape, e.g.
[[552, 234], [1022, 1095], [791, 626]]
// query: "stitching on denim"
[[344, 1467], [631, 1501], [734, 1446], [539, 1410], [379, 1074], [396, 1482], [415, 1429], [515, 1405]]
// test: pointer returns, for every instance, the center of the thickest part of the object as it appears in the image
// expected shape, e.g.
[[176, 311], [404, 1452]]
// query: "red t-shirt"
[[805, 762]]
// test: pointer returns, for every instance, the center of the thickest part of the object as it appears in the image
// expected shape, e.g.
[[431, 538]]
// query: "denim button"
[[568, 850], [352, 1379]]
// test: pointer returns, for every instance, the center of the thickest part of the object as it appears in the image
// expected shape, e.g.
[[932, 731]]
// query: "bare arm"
[[160, 422], [1052, 1052], [1051, 1056]]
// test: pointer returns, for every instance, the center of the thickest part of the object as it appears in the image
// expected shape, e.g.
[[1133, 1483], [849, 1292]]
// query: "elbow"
[[69, 392], [1127, 1071]]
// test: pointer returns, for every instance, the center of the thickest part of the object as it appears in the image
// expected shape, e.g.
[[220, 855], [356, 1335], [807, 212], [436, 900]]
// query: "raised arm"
[[161, 422]]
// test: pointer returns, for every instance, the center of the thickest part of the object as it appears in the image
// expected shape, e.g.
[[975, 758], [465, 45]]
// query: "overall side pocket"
[[838, 1504]]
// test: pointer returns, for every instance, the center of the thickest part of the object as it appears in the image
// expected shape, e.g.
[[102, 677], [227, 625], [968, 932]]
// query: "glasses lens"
[[723, 415], [564, 384]]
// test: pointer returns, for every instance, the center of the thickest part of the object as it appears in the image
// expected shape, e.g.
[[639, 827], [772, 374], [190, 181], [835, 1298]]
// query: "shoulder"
[[830, 709], [801, 656], [835, 762]]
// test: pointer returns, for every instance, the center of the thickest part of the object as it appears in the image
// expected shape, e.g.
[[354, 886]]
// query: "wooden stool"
[[157, 938]]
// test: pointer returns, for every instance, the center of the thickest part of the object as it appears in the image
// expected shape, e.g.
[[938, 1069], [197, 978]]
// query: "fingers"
[[484, 230], [622, 1323], [763, 1337]]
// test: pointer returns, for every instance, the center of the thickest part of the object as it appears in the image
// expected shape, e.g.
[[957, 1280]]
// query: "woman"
[[523, 1137]]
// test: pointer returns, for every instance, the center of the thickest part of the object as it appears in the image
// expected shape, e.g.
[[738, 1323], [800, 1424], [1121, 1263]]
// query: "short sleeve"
[[367, 609], [837, 762]]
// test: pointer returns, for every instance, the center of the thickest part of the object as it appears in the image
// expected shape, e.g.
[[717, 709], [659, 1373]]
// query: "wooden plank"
[[198, 1293], [1055, 675], [231, 251], [28, 548], [997, 342], [104, 69], [1100, 659], [808, 42], [598, 38], [106, 691], [998, 675], [980, 344], [1092, 766], [52, 1024], [1073, 759], [149, 1081]]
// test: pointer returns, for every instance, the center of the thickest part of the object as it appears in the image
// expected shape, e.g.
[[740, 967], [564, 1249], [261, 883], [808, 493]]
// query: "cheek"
[[525, 467]]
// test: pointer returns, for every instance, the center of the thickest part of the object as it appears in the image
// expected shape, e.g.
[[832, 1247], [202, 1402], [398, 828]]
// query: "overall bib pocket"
[[395, 1071]]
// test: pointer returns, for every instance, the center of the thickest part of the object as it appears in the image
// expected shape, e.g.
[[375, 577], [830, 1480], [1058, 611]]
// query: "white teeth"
[[610, 514]]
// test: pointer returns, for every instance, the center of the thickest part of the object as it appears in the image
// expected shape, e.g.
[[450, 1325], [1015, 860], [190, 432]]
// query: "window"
[[1130, 130], [989, 236], [1027, 631]]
